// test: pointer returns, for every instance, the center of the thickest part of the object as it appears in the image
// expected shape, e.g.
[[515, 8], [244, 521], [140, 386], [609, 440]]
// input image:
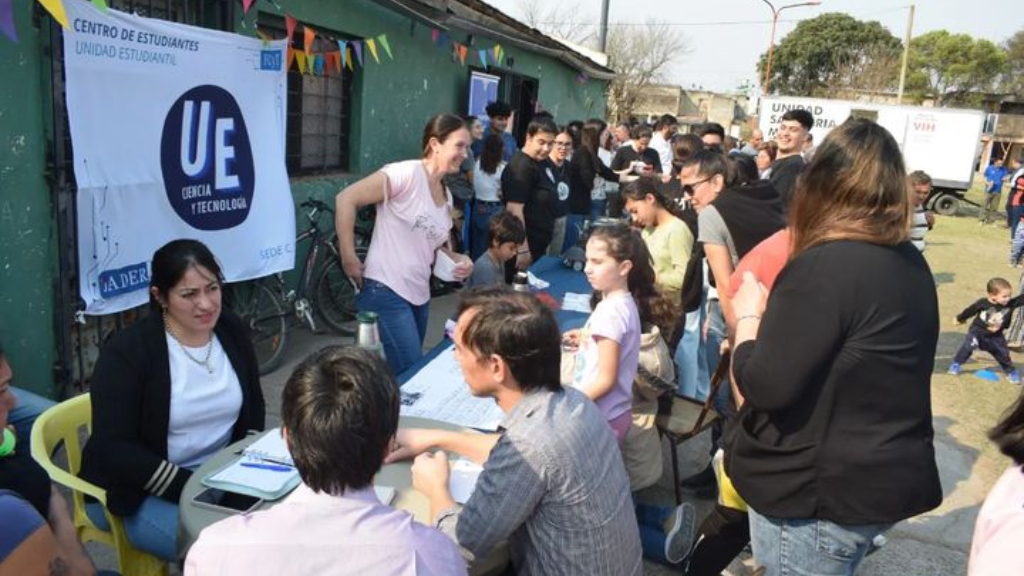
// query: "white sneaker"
[[679, 536]]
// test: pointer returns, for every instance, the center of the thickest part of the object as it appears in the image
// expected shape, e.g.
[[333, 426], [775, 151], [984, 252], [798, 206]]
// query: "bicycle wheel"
[[261, 310], [335, 296]]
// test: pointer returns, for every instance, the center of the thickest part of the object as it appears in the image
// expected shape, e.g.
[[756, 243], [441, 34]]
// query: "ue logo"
[[206, 159]]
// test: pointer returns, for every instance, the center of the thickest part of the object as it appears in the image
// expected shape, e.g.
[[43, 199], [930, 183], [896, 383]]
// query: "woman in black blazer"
[[833, 444], [168, 392]]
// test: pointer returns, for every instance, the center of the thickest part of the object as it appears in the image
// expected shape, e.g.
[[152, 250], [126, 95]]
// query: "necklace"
[[205, 362]]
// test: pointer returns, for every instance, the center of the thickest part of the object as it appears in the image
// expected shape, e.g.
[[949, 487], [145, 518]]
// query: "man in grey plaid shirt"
[[553, 483]]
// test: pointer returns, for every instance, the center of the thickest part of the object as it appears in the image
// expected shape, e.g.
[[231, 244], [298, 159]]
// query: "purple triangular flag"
[[7, 20], [357, 45]]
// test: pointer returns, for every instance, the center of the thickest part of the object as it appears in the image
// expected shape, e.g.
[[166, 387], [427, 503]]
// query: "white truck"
[[944, 142]]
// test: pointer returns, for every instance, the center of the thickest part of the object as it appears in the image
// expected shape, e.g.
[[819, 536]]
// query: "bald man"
[[756, 139]]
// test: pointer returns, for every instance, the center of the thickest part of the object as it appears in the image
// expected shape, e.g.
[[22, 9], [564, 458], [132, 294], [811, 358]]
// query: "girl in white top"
[[413, 222], [487, 185]]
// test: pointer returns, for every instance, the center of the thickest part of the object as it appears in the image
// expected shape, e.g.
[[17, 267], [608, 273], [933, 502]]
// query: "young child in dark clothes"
[[504, 235], [991, 317]]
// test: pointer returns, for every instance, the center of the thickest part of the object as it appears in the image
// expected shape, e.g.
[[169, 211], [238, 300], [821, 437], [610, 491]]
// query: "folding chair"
[[687, 417]]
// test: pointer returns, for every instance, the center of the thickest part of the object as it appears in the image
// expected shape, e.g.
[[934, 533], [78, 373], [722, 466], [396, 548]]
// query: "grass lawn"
[[963, 255]]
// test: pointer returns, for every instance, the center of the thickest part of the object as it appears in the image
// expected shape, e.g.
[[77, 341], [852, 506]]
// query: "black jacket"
[[131, 400], [837, 423], [985, 312]]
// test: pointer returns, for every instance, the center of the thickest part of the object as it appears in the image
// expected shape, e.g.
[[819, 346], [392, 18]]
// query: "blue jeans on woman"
[[482, 214], [153, 528], [809, 547], [693, 379], [401, 324]]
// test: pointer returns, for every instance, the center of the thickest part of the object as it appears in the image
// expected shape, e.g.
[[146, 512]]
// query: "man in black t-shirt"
[[789, 163], [637, 155], [530, 193]]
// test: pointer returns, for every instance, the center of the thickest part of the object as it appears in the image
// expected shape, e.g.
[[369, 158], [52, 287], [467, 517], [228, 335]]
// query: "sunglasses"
[[688, 188]]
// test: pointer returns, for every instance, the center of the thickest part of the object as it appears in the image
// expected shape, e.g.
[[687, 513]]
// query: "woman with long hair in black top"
[[585, 166], [833, 444]]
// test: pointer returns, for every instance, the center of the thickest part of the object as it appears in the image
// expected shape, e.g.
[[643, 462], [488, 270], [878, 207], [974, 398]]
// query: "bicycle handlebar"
[[317, 204]]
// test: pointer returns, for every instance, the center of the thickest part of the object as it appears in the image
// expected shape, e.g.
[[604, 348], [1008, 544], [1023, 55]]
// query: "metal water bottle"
[[367, 335], [521, 282]]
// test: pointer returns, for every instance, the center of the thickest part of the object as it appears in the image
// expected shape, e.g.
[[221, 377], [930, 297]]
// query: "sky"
[[726, 37]]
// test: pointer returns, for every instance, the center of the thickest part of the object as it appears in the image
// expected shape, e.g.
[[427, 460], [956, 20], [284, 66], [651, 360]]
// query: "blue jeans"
[[717, 333], [651, 520], [153, 528], [25, 412], [692, 376], [482, 214], [573, 223], [598, 208], [809, 547], [402, 325]]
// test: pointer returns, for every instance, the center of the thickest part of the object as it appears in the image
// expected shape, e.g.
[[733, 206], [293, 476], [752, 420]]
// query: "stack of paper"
[[439, 392], [271, 447]]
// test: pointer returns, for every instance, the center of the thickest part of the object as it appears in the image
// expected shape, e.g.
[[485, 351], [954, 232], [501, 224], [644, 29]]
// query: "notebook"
[[262, 483], [271, 448]]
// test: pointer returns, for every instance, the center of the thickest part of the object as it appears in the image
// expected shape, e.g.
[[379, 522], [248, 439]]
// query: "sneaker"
[[679, 533], [1013, 376], [954, 369]]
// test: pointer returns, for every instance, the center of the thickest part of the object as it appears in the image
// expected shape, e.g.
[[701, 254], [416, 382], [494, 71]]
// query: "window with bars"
[[319, 107]]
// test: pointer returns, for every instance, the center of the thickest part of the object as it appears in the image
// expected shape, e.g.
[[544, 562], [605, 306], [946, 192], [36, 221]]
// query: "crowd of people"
[[800, 267]]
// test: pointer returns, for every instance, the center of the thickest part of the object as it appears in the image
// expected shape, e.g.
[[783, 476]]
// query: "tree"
[[1013, 74], [826, 51], [870, 76], [954, 69], [565, 22], [640, 56]]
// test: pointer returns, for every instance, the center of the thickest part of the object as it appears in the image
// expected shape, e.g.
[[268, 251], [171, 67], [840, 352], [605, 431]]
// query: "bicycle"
[[264, 303]]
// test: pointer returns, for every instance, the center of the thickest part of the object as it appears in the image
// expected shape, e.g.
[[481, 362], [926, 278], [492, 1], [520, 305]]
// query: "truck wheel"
[[947, 205]]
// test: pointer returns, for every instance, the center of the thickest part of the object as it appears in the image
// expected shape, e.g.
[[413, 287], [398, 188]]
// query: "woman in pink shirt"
[[412, 224], [1000, 526]]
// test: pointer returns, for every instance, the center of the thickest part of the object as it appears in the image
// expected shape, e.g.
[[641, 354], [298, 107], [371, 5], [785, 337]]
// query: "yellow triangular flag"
[[56, 9], [373, 50], [497, 52], [348, 60], [301, 57]]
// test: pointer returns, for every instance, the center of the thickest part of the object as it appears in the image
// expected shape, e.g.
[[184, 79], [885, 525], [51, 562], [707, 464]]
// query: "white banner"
[[178, 132]]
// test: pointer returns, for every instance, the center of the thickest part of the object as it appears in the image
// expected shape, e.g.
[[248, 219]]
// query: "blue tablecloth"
[[562, 280]]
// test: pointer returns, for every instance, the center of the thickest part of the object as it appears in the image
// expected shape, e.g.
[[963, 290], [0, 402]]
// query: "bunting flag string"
[[56, 9], [383, 40], [343, 57], [300, 57], [357, 47], [246, 4], [319, 65], [373, 50], [290, 23], [483, 58], [7, 20], [433, 35], [101, 4], [462, 54], [309, 35]]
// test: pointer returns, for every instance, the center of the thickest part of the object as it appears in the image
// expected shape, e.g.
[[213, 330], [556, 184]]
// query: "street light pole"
[[767, 84]]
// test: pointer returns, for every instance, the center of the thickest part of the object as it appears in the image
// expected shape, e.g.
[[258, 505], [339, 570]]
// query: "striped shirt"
[[919, 228], [555, 487]]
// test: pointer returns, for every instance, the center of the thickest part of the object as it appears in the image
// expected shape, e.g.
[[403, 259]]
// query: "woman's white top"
[[487, 186], [204, 406]]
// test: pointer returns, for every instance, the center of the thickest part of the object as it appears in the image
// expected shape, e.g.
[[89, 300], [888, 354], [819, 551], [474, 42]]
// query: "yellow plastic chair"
[[62, 423]]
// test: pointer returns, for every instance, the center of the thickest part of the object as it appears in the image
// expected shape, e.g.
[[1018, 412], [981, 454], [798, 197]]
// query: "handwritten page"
[[439, 392], [576, 302], [270, 447], [268, 482]]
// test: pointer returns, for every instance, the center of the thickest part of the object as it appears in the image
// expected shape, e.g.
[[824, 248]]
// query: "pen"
[[273, 467]]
